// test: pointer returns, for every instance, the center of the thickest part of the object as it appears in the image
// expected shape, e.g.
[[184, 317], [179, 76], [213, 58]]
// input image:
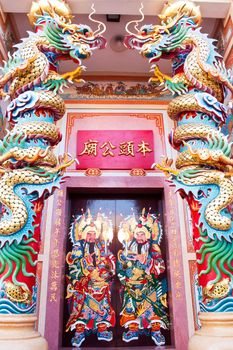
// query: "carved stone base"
[[17, 332], [216, 332]]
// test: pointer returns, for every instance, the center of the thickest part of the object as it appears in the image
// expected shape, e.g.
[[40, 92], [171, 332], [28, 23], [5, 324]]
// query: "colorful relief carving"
[[139, 266], [204, 169], [91, 270], [116, 90], [29, 170]]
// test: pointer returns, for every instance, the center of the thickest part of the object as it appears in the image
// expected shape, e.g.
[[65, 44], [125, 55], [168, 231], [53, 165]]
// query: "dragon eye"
[[144, 31], [62, 19], [85, 31]]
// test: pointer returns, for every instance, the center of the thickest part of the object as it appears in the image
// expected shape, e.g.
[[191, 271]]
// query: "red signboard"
[[115, 149]]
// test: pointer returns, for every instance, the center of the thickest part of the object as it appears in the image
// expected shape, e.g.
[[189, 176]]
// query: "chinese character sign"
[[115, 149]]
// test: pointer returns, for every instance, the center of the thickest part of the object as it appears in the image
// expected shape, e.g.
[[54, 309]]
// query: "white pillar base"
[[216, 332], [17, 332]]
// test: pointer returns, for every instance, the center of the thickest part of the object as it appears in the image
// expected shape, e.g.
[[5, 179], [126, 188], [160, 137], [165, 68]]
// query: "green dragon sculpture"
[[204, 168], [29, 170]]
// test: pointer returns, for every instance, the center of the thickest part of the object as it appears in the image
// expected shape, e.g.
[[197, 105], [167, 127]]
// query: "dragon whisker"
[[98, 31]]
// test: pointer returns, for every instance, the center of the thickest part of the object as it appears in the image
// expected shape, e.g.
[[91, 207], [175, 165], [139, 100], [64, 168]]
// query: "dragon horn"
[[98, 31], [135, 21], [166, 27]]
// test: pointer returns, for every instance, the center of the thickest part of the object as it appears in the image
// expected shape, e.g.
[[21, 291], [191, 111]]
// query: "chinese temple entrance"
[[116, 207]]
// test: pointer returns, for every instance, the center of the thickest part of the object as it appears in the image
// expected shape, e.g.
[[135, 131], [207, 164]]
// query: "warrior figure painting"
[[91, 269], [139, 267]]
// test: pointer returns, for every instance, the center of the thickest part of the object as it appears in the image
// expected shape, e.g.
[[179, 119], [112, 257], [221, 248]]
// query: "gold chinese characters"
[[107, 148]]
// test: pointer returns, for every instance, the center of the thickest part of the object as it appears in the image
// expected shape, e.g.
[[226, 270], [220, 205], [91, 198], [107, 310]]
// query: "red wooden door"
[[115, 206]]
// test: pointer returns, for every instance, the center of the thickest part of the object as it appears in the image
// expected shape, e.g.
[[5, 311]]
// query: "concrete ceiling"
[[115, 60]]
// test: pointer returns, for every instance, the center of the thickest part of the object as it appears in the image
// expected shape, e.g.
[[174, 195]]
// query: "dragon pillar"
[[29, 170], [203, 172]]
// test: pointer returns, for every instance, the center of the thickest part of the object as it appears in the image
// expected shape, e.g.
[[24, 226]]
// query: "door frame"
[[174, 259]]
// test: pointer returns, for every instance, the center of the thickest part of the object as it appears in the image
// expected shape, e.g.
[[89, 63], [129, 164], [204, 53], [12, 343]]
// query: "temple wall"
[[112, 114], [227, 35], [97, 115], [228, 38]]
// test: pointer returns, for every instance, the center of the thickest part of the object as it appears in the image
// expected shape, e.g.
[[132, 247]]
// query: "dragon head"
[[167, 39], [52, 18]]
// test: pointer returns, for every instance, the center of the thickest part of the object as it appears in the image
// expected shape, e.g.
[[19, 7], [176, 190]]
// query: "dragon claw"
[[154, 80], [71, 76], [64, 162], [80, 81], [166, 167]]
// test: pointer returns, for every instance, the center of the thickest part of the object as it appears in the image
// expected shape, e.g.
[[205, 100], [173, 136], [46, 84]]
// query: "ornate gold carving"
[[93, 172], [71, 117], [217, 290], [18, 294], [137, 172]]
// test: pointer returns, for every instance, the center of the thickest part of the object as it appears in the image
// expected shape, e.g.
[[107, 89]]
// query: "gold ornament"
[[100, 225], [130, 227], [51, 7], [179, 9]]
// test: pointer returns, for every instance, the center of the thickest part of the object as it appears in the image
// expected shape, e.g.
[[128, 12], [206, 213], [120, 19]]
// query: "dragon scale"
[[204, 168], [196, 69], [10, 199]]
